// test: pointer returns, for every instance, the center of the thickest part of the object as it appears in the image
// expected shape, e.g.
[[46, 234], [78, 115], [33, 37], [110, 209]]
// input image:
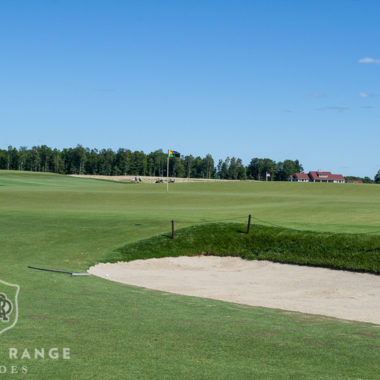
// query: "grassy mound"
[[330, 250]]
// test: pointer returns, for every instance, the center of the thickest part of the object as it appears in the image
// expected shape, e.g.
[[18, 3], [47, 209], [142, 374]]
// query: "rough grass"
[[330, 250]]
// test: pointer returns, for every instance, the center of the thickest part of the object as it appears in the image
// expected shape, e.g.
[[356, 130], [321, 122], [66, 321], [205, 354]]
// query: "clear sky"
[[278, 79]]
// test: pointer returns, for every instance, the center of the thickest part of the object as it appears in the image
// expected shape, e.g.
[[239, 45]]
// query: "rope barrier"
[[295, 229], [261, 221], [242, 218]]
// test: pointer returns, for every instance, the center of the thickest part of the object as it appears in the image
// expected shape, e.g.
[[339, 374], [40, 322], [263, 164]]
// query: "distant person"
[[135, 179], [140, 179]]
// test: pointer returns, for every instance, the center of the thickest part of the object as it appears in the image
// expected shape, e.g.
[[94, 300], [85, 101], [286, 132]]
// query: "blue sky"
[[278, 79]]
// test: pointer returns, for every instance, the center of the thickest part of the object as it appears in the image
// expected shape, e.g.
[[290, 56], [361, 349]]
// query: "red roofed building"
[[355, 181], [300, 177], [317, 176], [326, 177]]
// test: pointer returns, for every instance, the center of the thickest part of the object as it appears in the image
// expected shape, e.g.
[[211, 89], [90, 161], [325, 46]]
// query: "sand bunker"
[[340, 294]]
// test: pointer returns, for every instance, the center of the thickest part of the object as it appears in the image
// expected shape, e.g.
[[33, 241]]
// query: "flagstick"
[[167, 175]]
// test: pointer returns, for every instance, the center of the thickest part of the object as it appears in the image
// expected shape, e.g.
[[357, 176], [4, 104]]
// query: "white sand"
[[340, 294], [148, 179]]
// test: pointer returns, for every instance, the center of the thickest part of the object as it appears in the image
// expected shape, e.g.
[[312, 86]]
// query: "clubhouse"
[[317, 176]]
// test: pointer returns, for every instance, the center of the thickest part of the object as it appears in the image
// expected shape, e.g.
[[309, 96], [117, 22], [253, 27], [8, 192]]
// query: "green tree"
[[208, 167], [176, 167], [3, 159], [123, 161], [233, 169], [106, 162], [13, 158], [157, 160], [241, 170], [254, 168], [188, 165], [287, 168], [197, 168], [55, 162], [223, 168], [44, 153], [139, 163], [259, 167], [23, 156], [377, 177], [91, 162], [33, 162]]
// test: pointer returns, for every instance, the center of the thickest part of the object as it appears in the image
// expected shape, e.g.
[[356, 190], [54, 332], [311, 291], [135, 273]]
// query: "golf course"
[[117, 331]]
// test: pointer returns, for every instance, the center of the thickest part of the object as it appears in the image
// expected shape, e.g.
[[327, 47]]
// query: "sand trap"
[[340, 294]]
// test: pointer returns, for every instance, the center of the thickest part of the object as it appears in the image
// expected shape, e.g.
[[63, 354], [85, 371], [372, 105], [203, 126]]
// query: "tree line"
[[80, 160]]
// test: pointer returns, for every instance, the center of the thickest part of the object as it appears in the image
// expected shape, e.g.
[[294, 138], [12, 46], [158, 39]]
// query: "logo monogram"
[[6, 307]]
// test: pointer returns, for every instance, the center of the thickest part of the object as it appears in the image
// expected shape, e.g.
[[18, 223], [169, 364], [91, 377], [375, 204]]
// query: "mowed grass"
[[116, 331]]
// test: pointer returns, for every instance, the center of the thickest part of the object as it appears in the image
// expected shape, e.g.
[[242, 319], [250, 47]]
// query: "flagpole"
[[167, 174]]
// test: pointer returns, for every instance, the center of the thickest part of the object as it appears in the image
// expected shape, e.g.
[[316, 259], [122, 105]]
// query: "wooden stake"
[[249, 223], [173, 229], [167, 173]]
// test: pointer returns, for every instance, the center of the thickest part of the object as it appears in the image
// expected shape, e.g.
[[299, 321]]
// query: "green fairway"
[[116, 331]]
